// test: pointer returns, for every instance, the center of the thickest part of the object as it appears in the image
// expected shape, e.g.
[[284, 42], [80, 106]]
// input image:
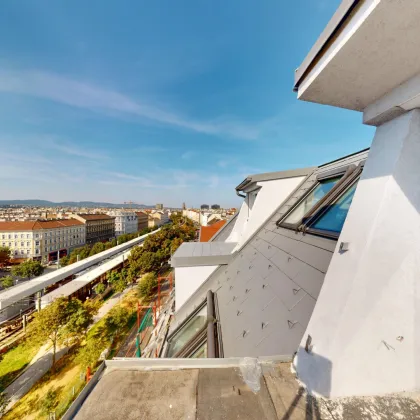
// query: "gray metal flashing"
[[191, 254], [77, 403], [344, 157], [335, 24], [269, 176], [131, 363], [267, 292], [197, 298]]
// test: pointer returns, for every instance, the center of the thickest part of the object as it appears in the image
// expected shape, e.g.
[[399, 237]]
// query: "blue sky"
[[159, 101]]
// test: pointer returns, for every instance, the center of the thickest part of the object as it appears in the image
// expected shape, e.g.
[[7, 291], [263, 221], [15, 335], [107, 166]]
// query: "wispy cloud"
[[151, 149], [89, 96], [71, 149], [188, 154]]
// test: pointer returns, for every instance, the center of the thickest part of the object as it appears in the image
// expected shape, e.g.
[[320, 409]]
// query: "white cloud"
[[89, 96], [73, 150], [188, 155]]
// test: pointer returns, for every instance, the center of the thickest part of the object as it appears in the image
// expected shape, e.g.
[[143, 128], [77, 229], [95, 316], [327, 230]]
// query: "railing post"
[[138, 349], [138, 316]]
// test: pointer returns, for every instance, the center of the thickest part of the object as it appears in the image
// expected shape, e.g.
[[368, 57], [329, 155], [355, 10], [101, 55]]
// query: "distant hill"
[[45, 203]]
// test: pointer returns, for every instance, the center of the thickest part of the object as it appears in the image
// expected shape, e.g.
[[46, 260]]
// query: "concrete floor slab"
[[222, 394], [142, 395]]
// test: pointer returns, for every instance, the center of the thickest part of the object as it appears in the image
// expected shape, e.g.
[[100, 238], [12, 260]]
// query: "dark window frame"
[[350, 174], [200, 337], [307, 227]]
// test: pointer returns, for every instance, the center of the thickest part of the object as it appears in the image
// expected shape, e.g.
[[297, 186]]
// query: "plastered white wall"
[[365, 328], [188, 280], [239, 224], [270, 196]]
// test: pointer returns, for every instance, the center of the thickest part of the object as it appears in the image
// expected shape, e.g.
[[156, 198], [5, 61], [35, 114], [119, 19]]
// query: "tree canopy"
[[158, 248], [4, 255], [61, 320], [7, 281], [28, 269]]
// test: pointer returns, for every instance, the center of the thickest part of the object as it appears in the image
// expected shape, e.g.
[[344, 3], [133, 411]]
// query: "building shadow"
[[306, 398]]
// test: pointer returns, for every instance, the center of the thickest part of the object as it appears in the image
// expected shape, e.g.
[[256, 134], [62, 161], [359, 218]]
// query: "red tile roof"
[[39, 224], [207, 232], [89, 216]]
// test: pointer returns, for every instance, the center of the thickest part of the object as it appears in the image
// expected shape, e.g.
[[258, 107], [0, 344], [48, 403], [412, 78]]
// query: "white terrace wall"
[[365, 328]]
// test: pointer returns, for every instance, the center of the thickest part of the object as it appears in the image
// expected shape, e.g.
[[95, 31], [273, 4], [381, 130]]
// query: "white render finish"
[[188, 280], [255, 210], [125, 221], [365, 328], [401, 99], [375, 51]]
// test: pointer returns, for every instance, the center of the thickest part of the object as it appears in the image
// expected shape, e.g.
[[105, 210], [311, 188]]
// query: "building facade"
[[125, 221], [142, 220], [99, 227], [42, 240], [158, 218]]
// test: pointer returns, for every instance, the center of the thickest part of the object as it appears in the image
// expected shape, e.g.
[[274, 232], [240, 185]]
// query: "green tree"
[[120, 285], [97, 248], [4, 255], [117, 319], [113, 277], [4, 402], [89, 354], [28, 269], [80, 316], [99, 288], [147, 285], [7, 281], [83, 252], [60, 320], [49, 401], [64, 261]]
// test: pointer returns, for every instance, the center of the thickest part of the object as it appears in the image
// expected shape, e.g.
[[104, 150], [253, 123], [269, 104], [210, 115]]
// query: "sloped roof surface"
[[266, 294], [39, 224], [207, 232], [96, 216]]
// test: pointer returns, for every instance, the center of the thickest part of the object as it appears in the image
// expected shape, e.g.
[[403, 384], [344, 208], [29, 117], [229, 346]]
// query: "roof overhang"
[[369, 48], [251, 180], [192, 254]]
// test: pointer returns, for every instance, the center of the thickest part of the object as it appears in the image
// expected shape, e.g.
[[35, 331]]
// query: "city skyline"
[[132, 104]]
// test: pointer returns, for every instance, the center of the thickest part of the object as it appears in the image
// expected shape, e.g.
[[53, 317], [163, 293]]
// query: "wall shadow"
[[305, 399]]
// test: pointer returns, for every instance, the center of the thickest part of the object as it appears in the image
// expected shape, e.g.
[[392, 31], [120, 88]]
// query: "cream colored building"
[[42, 240], [158, 218]]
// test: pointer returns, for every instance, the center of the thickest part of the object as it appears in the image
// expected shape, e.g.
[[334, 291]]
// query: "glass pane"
[[333, 219], [201, 352], [310, 200], [187, 332]]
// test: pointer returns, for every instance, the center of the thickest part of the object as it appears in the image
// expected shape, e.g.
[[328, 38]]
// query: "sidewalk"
[[42, 361]]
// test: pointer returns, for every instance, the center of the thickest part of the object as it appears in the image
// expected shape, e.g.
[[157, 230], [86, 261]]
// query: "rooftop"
[[95, 216], [207, 232], [219, 389], [38, 224]]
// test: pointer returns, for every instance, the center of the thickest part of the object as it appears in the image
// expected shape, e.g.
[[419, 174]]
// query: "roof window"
[[323, 210]]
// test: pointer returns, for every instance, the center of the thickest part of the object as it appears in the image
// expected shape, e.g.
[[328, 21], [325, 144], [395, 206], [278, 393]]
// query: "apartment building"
[[142, 220], [99, 227], [125, 221], [158, 218], [42, 240]]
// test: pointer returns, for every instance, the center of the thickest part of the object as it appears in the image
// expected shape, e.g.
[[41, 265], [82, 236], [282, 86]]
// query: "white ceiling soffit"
[[375, 50]]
